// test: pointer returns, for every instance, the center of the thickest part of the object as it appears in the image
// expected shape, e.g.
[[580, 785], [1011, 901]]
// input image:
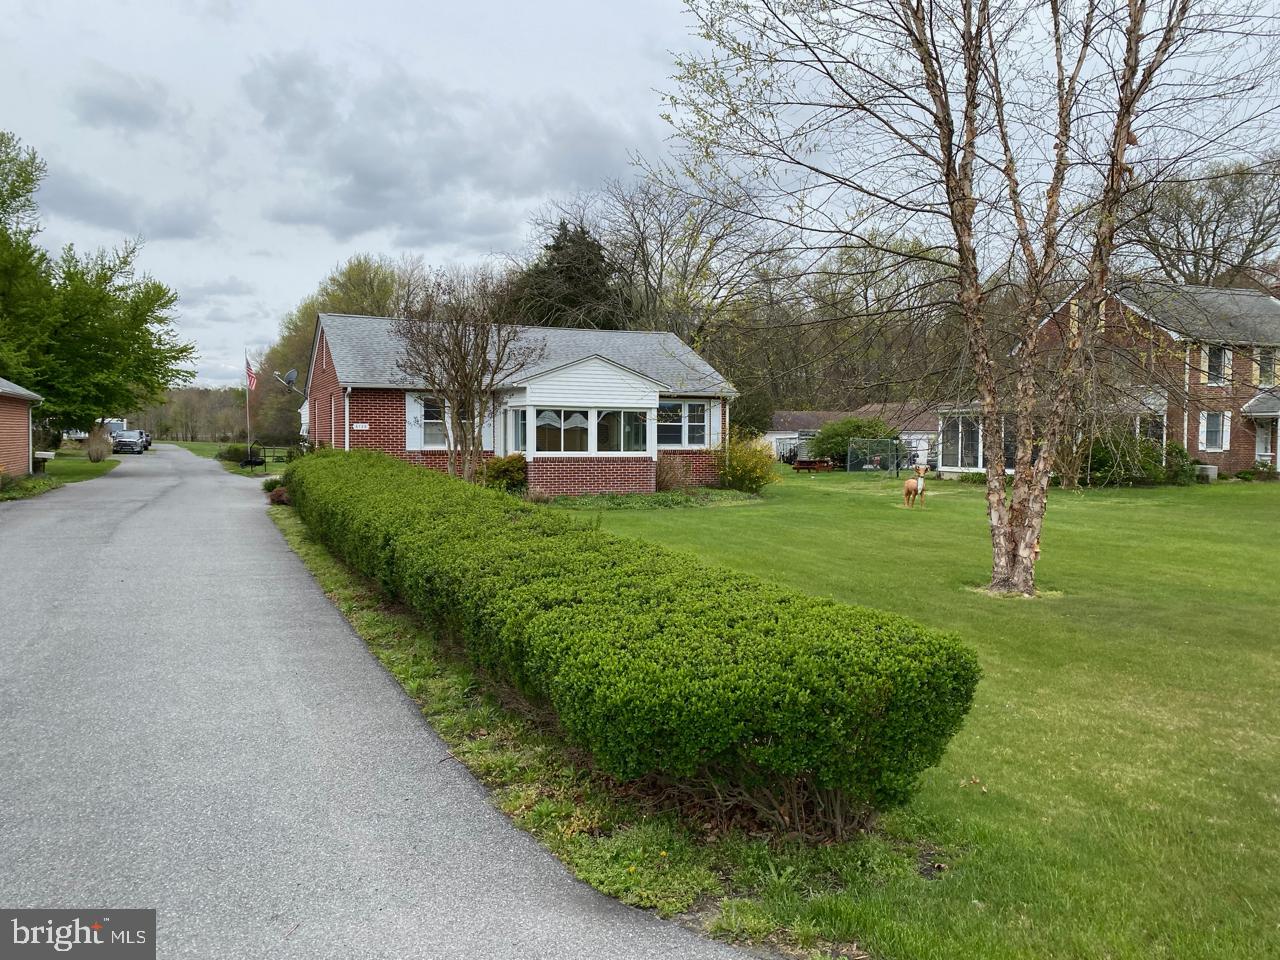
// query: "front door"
[[1262, 446]]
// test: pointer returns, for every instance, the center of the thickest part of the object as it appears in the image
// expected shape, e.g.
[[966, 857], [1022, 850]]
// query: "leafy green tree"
[[571, 284], [90, 333], [833, 439], [367, 284]]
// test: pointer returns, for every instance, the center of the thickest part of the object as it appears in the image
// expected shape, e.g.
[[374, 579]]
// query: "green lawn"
[[72, 466], [201, 448], [69, 466], [1115, 792]]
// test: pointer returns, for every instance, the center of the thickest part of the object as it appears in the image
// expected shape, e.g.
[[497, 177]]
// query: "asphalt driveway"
[[186, 723]]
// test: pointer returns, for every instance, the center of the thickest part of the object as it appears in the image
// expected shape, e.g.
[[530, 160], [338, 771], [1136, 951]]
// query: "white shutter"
[[713, 428], [412, 421], [1203, 365], [1226, 368], [1226, 431], [1204, 430], [487, 441]]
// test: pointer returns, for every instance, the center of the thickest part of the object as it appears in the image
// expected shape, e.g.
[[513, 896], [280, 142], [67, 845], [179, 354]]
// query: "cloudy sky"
[[253, 145]]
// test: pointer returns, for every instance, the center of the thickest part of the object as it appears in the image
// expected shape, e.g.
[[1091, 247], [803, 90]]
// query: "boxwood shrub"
[[652, 660]]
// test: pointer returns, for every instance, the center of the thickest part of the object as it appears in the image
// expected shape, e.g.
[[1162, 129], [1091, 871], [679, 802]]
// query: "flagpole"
[[248, 436]]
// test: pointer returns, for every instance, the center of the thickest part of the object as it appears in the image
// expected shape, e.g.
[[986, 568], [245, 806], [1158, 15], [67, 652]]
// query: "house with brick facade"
[[1212, 356], [592, 413], [15, 428]]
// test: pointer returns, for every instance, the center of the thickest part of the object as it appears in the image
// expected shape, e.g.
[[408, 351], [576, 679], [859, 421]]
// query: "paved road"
[[187, 723]]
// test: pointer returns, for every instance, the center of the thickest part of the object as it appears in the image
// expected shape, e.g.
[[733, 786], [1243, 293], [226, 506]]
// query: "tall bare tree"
[[1005, 133], [1219, 228], [461, 342]]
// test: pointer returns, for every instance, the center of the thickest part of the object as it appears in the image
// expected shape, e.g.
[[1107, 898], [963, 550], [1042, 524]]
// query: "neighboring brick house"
[[592, 414], [1216, 389], [15, 428]]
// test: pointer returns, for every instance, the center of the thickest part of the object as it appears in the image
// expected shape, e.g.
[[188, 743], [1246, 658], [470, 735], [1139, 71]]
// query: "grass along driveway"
[[1116, 789], [209, 449], [70, 465]]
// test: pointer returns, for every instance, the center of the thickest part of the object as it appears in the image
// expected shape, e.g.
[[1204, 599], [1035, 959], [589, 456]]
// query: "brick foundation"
[[701, 464], [576, 475]]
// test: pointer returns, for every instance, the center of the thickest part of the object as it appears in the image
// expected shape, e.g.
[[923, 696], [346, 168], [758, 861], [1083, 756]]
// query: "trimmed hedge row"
[[652, 660]]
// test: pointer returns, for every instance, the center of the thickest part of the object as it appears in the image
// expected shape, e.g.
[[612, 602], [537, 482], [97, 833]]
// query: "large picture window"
[[562, 431], [682, 424]]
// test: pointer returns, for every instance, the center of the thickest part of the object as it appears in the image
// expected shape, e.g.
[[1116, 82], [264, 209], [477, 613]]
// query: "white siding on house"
[[591, 383]]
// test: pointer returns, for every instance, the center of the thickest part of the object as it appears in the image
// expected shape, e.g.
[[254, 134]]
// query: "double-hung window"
[[1266, 367], [561, 431], [682, 423], [1216, 366], [1213, 431], [621, 431], [519, 430], [433, 427]]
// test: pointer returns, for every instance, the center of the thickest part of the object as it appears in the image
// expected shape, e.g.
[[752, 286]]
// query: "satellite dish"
[[290, 377]]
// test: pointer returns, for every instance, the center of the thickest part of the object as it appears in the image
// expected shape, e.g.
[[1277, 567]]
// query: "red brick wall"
[[701, 464], [1134, 333], [1228, 398], [575, 475], [15, 437], [322, 388], [383, 411]]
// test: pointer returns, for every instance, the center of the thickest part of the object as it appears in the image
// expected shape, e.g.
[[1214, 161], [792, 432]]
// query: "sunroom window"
[[621, 431], [562, 430]]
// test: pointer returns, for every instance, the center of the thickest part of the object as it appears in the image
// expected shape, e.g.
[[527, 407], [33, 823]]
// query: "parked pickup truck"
[[128, 441]]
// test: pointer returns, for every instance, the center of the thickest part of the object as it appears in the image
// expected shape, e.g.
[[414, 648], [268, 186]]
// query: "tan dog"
[[914, 487]]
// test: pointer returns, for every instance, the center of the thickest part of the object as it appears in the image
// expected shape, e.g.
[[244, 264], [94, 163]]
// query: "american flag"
[[248, 372]]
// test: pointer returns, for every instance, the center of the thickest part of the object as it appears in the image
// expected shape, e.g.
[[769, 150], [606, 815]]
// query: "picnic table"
[[821, 465]]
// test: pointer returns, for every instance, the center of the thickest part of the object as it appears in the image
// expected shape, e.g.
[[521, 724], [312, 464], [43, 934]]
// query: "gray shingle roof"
[[1208, 314], [365, 350], [1265, 404], [10, 389]]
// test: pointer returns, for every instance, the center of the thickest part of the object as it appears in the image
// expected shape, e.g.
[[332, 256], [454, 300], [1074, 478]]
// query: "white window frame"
[[684, 443], [423, 399], [530, 411], [1266, 372], [1225, 375], [562, 411], [1224, 431]]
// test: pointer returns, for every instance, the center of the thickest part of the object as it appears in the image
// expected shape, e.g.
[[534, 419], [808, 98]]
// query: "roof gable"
[[523, 378], [10, 389]]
